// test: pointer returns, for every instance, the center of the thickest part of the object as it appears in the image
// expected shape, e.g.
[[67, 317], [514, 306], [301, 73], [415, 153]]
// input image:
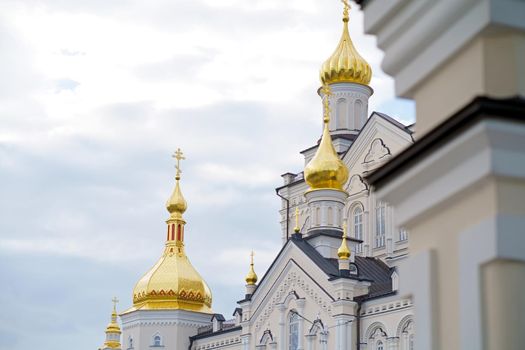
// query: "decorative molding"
[[378, 150], [385, 307], [356, 185], [293, 280]]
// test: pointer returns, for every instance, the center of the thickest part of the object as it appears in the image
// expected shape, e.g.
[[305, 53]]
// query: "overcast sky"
[[95, 95]]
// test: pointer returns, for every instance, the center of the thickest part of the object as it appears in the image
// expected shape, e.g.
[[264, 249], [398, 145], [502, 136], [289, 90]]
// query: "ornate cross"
[[251, 257], [178, 155], [344, 229]]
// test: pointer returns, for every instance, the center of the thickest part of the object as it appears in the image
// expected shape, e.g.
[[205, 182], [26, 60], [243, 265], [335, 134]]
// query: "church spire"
[[173, 283], [251, 277], [113, 330]]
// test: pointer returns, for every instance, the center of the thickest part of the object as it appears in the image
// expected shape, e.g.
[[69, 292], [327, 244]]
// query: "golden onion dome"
[[345, 65], [343, 252], [251, 277], [326, 170], [173, 282]]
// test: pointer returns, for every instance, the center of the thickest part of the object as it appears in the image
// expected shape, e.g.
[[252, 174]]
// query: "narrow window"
[[293, 342], [358, 227], [380, 345], [403, 234], [380, 225]]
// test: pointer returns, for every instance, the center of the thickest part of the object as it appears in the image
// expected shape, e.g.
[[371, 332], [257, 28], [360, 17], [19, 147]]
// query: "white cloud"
[[94, 98]]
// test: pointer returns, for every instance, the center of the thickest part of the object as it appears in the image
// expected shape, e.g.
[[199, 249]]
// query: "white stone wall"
[[174, 327]]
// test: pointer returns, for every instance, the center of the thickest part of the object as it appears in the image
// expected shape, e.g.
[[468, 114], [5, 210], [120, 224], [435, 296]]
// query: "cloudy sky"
[[95, 95]]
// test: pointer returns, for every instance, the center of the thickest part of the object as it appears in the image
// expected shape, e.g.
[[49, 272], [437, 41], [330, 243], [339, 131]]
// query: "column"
[[343, 334], [405, 341], [245, 341], [310, 339], [282, 334], [300, 310], [392, 343]]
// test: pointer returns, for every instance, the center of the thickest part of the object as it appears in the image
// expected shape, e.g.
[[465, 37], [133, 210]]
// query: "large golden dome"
[[173, 283], [345, 65], [326, 170]]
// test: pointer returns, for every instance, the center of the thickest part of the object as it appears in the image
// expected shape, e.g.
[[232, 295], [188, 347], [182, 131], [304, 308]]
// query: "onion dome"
[[251, 277], [326, 170], [343, 252], [345, 65], [173, 282]]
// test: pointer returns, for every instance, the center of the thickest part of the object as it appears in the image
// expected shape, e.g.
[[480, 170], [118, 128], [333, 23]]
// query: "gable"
[[378, 141], [292, 271]]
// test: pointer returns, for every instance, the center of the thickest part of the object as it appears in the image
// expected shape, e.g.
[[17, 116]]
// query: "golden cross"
[[115, 301], [327, 92], [178, 155], [344, 229], [346, 9], [251, 257]]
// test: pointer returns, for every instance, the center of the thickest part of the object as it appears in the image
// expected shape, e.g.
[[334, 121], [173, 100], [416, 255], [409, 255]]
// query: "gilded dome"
[[172, 283], [326, 170], [345, 65]]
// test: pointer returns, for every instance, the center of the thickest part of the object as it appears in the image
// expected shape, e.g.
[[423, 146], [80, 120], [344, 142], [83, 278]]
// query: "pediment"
[[378, 140], [293, 276]]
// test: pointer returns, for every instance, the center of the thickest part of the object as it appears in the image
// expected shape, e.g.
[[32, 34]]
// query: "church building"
[[334, 283]]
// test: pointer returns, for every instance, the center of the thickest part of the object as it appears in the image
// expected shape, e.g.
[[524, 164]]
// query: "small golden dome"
[[176, 204], [343, 252], [345, 65], [251, 277], [326, 170]]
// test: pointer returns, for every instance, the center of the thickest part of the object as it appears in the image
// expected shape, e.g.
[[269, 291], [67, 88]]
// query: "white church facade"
[[334, 283]]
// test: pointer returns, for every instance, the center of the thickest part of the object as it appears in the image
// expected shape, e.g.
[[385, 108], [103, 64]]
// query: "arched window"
[[358, 226], [157, 340], [130, 343], [293, 340], [341, 114], [379, 345], [380, 225]]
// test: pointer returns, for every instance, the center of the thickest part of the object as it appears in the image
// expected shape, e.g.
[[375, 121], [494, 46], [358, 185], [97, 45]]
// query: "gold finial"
[[177, 205], [251, 277], [113, 329], [343, 252], [296, 229], [178, 155], [346, 9], [326, 170], [327, 92]]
